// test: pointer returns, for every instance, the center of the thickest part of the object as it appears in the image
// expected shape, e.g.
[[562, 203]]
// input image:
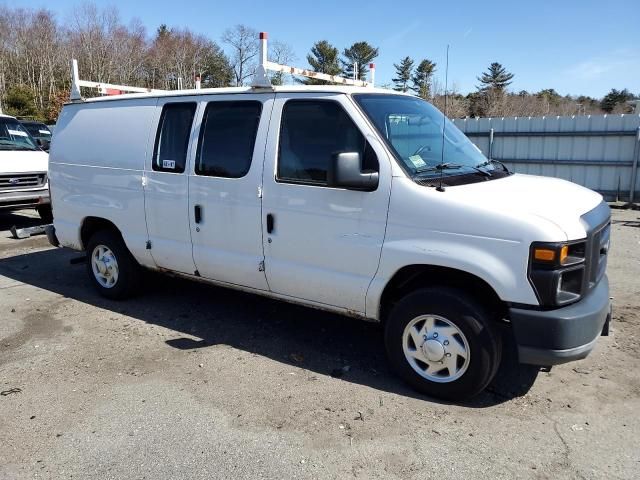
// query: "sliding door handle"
[[270, 222], [197, 213]]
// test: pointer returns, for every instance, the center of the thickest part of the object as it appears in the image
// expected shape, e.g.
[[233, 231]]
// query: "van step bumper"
[[565, 334]]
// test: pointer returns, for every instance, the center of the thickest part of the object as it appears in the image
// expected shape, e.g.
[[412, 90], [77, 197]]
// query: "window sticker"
[[45, 132], [169, 164], [417, 161], [17, 132]]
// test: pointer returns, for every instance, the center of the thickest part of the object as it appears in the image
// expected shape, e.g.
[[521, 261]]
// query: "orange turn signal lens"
[[564, 253], [544, 254]]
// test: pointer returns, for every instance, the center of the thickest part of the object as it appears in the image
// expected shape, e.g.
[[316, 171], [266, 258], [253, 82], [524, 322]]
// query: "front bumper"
[[565, 334], [25, 198]]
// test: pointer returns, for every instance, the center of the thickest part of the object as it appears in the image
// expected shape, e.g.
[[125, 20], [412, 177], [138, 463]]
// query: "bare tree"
[[243, 43], [282, 53], [181, 54], [456, 104]]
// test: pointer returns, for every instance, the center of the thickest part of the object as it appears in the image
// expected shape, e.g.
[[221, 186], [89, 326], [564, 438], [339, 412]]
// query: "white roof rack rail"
[[104, 88], [260, 78]]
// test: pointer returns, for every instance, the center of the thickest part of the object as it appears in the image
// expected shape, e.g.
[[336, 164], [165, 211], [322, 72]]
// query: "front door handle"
[[197, 213], [270, 222]]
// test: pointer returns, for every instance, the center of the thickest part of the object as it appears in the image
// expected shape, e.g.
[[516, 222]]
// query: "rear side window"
[[227, 138], [172, 139], [312, 131]]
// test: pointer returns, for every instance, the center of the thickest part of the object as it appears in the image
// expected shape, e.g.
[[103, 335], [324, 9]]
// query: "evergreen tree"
[[550, 95], [19, 101], [361, 53], [421, 79], [615, 97], [323, 59], [403, 74], [496, 78], [163, 31]]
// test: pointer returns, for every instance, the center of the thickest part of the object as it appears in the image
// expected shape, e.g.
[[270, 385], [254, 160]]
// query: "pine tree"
[[323, 59], [615, 97], [421, 79], [403, 74], [496, 78], [361, 53]]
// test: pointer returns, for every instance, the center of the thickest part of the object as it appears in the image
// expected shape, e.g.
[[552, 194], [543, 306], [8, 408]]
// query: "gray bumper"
[[558, 336], [25, 198]]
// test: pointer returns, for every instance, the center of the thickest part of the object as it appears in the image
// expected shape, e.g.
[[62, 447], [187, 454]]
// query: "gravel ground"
[[192, 381]]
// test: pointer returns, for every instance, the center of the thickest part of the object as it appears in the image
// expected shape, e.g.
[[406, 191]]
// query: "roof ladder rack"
[[103, 88], [261, 79]]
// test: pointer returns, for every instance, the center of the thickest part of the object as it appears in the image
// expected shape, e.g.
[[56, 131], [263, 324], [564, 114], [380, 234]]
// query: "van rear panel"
[[96, 168]]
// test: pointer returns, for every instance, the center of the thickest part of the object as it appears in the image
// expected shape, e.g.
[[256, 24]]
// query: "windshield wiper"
[[21, 147], [15, 146], [452, 166], [497, 162], [440, 166]]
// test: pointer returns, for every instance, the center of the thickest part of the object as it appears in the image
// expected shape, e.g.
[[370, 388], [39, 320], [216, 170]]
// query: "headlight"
[[556, 272]]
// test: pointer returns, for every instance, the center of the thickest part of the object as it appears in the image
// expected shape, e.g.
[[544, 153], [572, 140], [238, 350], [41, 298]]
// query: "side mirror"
[[44, 144], [346, 171]]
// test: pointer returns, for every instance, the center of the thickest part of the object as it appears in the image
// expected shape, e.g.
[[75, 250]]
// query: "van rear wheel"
[[114, 272], [442, 343]]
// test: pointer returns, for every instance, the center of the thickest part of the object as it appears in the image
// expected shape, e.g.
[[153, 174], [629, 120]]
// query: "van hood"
[[23, 161], [554, 200]]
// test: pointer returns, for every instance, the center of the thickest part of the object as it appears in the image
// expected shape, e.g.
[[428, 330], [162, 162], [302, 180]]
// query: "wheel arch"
[[412, 277], [91, 225]]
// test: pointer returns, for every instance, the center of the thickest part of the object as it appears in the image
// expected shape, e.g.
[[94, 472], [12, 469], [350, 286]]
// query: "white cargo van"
[[23, 170], [340, 198]]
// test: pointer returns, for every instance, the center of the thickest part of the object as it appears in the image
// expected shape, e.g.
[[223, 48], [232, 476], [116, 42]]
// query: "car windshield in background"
[[37, 130], [413, 129], [13, 136]]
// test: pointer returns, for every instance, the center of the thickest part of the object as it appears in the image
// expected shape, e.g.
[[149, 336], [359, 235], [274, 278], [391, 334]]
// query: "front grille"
[[19, 181], [598, 225], [598, 257]]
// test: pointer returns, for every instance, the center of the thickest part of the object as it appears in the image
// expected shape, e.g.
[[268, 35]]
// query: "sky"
[[576, 47]]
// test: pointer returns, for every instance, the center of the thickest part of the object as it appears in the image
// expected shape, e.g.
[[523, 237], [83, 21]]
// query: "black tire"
[[129, 271], [467, 315], [45, 212]]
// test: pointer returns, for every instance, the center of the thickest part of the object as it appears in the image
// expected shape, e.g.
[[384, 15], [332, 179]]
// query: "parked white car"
[[23, 170], [339, 198]]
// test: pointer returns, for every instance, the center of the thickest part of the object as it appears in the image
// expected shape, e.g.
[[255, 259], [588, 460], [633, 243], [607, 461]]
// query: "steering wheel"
[[421, 149]]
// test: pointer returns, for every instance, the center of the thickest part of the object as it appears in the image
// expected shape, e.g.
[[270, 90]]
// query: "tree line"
[[35, 51]]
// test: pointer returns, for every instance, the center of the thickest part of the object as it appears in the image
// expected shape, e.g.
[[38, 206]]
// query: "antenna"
[[440, 188]]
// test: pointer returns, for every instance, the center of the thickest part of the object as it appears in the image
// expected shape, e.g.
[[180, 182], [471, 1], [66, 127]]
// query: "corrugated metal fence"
[[600, 152]]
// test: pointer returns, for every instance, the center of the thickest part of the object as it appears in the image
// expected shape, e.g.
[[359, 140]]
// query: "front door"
[[225, 188], [322, 244]]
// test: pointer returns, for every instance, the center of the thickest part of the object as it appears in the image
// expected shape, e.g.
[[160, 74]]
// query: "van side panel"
[[96, 169]]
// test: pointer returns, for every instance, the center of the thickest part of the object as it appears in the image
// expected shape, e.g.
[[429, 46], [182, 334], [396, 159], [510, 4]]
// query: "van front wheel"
[[114, 271], [442, 342]]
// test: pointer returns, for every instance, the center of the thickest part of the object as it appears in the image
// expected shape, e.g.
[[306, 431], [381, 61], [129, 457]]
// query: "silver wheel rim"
[[436, 348], [104, 266]]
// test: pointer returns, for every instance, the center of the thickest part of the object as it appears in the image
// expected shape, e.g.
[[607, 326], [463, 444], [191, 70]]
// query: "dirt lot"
[[192, 381]]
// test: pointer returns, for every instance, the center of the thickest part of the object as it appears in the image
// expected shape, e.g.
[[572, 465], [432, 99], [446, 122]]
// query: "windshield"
[[413, 129], [13, 136], [38, 130]]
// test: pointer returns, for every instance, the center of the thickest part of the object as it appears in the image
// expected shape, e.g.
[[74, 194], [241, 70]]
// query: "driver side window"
[[311, 132]]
